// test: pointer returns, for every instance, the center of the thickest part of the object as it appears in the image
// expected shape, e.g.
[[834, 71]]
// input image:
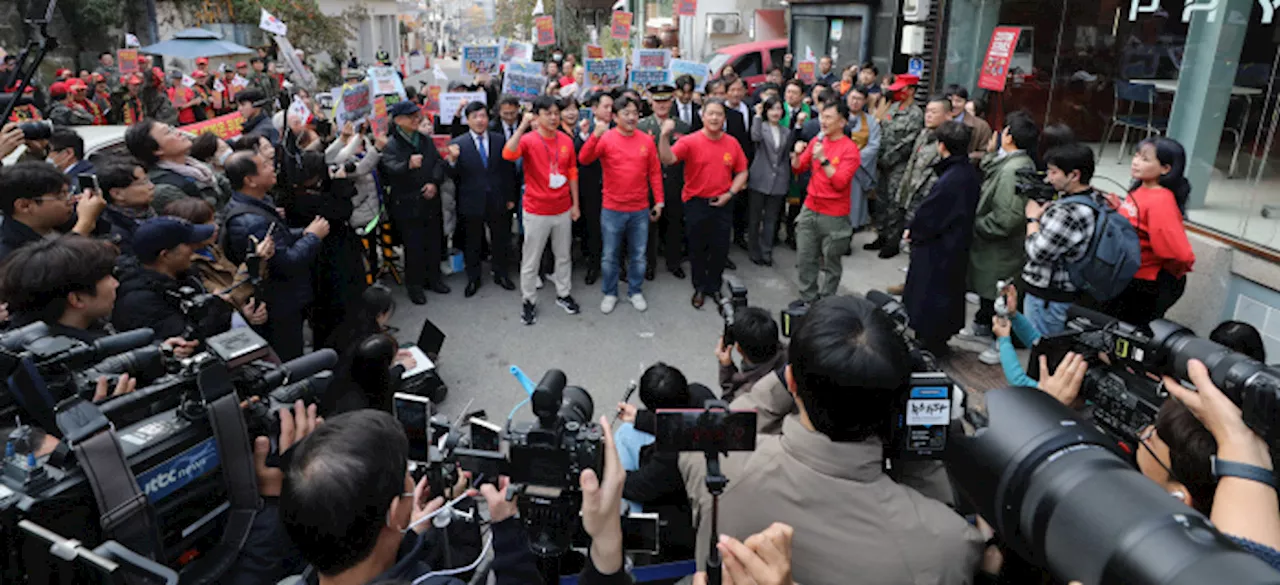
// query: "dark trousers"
[[709, 231], [1144, 301], [283, 330], [590, 203], [421, 239], [669, 229], [986, 310], [762, 223], [499, 224], [740, 218]]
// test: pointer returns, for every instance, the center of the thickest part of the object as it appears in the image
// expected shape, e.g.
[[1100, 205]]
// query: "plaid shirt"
[[1065, 231]]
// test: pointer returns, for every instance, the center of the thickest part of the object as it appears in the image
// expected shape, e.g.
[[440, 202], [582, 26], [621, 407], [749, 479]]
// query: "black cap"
[[661, 92]]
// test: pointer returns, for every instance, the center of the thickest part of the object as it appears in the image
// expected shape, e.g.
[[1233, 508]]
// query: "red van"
[[750, 60]]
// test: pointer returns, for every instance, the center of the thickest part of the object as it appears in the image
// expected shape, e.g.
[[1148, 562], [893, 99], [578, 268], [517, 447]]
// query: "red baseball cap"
[[904, 80], [241, 65], [199, 74], [58, 89], [76, 84], [131, 79], [202, 60], [99, 78], [61, 72]]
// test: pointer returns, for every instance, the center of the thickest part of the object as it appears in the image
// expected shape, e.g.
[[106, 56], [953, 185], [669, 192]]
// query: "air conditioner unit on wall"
[[727, 23], [915, 10]]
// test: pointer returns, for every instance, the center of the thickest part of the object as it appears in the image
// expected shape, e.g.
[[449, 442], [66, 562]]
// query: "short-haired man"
[[978, 127], [66, 152], [846, 374], [591, 187], [629, 161], [129, 192], [823, 230], [486, 195], [250, 218], [413, 170], [918, 177], [550, 203], [253, 106], [868, 75], [940, 232], [107, 68], [150, 295], [794, 110], [755, 336], [685, 109], [36, 200], [826, 71], [1059, 232], [1000, 226], [715, 170], [897, 138], [165, 152]]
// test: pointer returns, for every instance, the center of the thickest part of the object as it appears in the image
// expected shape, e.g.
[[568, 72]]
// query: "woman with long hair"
[[1155, 205], [369, 361]]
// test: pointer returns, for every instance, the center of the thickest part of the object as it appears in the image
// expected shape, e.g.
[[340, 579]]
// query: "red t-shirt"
[[709, 165], [186, 114], [541, 157], [1163, 239], [830, 195], [631, 169]]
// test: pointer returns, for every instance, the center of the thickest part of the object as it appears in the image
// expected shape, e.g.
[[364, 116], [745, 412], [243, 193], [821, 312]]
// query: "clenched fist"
[[415, 161], [454, 152], [668, 126]]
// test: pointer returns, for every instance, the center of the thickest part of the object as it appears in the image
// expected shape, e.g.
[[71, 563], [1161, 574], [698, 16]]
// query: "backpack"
[[1113, 255]]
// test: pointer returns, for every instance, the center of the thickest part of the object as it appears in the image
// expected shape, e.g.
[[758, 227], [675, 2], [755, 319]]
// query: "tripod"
[[39, 14], [716, 482]]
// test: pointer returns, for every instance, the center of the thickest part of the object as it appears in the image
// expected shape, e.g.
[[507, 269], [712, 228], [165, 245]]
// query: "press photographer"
[[824, 473], [37, 202], [754, 334], [164, 295]]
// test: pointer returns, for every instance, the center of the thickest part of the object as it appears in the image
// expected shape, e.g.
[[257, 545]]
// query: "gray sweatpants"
[[538, 229]]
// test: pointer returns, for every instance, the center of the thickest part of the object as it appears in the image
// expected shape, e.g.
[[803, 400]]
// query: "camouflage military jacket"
[[653, 127], [898, 133], [920, 176]]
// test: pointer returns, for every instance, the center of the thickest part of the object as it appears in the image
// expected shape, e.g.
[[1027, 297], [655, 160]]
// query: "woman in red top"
[[1155, 205]]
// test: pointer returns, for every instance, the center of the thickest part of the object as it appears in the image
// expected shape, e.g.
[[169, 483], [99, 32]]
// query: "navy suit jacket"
[[81, 167], [482, 189]]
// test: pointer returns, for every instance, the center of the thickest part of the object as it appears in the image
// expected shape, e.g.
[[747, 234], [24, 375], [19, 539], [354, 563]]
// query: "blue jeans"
[[1048, 317], [614, 227]]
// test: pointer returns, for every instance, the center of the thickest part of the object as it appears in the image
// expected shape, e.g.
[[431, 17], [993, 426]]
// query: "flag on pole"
[[272, 24], [188, 81], [808, 53], [131, 40], [538, 9]]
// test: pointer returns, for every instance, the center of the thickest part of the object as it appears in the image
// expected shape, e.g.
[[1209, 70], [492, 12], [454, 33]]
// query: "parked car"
[[98, 141], [750, 60]]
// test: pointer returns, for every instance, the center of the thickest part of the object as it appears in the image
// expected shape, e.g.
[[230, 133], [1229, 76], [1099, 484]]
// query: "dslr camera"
[[728, 305], [1031, 185]]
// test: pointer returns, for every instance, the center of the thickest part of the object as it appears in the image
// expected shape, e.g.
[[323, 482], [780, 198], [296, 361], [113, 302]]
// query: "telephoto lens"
[[39, 130], [1056, 492]]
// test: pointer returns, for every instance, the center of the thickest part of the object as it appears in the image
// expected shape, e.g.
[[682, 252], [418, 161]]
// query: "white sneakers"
[[609, 302], [990, 356]]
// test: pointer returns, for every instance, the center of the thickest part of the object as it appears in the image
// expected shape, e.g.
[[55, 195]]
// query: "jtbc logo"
[[1190, 7]]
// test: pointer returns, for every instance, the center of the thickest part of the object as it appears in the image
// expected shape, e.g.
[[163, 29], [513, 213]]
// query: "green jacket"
[[653, 127], [1000, 226]]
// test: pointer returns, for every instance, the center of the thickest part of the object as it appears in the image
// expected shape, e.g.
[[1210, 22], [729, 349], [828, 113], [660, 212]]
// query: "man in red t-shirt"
[[550, 202], [629, 163], [715, 169], [822, 228]]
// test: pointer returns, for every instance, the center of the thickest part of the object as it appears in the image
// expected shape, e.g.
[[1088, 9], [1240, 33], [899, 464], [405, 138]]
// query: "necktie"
[[484, 152]]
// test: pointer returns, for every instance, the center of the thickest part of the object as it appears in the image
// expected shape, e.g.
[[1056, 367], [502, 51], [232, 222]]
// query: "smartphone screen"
[[414, 414], [701, 430], [88, 181]]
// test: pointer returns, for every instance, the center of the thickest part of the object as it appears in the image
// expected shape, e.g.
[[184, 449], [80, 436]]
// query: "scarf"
[[194, 170], [138, 215]]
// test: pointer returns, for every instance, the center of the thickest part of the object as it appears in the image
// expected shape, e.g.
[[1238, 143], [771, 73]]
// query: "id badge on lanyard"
[[555, 180]]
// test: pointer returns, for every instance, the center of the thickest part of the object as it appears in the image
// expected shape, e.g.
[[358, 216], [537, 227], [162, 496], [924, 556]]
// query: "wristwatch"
[[1222, 468], [1031, 220], [826, 162]]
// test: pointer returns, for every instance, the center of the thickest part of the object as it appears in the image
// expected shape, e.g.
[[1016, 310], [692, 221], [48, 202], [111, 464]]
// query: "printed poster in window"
[[686, 7], [620, 26], [995, 65], [807, 71], [546, 27], [837, 29]]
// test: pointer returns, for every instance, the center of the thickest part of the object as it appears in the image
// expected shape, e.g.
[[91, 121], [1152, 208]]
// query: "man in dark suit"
[[737, 123], [414, 170], [66, 152], [684, 108], [486, 195]]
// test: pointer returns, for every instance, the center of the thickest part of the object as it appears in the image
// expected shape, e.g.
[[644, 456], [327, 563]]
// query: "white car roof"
[[96, 138]]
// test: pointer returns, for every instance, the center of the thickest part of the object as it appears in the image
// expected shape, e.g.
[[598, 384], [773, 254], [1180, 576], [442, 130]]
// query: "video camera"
[[1030, 184], [728, 306]]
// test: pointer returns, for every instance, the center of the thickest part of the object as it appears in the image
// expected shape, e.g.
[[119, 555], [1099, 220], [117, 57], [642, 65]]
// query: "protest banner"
[[453, 101], [546, 29], [516, 51], [605, 72], [379, 119], [385, 81], [525, 67], [299, 71], [686, 7], [995, 65], [807, 71], [698, 71], [442, 144], [357, 102], [641, 79], [592, 52], [225, 127], [417, 63], [431, 101], [651, 59], [620, 25], [480, 59], [522, 85], [127, 60]]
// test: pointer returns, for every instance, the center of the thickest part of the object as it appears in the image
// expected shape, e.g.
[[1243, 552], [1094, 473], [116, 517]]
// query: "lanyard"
[[552, 153]]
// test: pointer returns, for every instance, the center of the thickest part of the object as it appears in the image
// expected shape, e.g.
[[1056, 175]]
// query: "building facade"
[[380, 31]]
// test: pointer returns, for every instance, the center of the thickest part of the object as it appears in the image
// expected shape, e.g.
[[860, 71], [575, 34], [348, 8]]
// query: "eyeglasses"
[[1143, 440], [65, 196]]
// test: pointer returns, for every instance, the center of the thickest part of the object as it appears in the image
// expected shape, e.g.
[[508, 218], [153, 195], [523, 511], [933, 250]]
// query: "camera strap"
[[125, 513]]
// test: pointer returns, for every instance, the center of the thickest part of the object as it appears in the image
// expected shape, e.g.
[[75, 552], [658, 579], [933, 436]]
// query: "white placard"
[[451, 101]]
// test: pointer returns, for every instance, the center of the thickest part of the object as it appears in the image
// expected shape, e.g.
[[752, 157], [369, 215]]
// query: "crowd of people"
[[273, 221]]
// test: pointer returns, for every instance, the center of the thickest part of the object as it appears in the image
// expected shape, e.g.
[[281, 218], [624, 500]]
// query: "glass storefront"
[[1200, 71]]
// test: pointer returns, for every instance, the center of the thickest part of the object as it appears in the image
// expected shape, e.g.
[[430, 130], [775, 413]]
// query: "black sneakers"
[[569, 305], [529, 315]]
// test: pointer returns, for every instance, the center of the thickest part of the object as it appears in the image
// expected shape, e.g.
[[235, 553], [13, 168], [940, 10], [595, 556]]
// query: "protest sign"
[[357, 102], [546, 29], [698, 70], [238, 83], [516, 51], [525, 68], [385, 81], [127, 59], [480, 60], [417, 62], [453, 101], [431, 100], [592, 52], [298, 110], [807, 71], [620, 26], [225, 127], [605, 72], [651, 59], [641, 79], [995, 66], [686, 7], [442, 144], [381, 123], [522, 85]]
